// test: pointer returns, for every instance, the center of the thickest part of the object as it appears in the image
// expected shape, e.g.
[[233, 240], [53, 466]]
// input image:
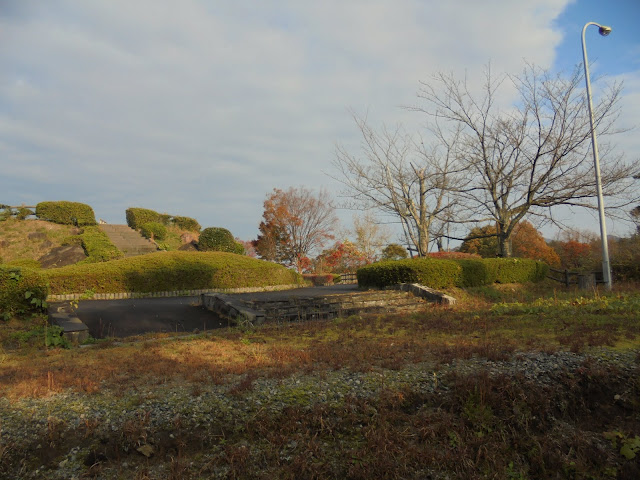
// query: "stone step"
[[313, 308], [127, 240]]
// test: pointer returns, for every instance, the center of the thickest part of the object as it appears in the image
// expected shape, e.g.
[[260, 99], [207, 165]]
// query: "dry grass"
[[480, 426], [15, 243]]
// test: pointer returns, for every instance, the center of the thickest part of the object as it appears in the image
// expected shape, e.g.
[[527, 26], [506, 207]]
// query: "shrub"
[[136, 217], [5, 214], [97, 246], [23, 213], [154, 230], [218, 240], [164, 219], [170, 271], [475, 273], [428, 272], [22, 290], [186, 223], [66, 213], [517, 270], [436, 273]]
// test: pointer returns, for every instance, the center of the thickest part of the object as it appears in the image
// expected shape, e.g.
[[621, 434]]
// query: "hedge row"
[[98, 246], [66, 213], [22, 290], [138, 217], [169, 271], [436, 273], [154, 231]]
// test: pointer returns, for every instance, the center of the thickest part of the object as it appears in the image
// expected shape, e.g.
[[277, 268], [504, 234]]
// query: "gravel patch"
[[73, 425]]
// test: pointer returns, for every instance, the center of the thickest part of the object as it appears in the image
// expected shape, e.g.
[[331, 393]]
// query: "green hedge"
[[186, 223], [428, 272], [136, 217], [437, 273], [154, 230], [169, 271], [66, 213], [98, 246], [516, 270], [22, 290], [216, 239]]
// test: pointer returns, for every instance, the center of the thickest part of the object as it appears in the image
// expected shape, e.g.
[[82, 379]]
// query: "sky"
[[201, 108]]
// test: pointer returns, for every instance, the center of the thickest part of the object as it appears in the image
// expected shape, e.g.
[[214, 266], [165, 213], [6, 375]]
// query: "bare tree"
[[370, 236], [399, 176], [533, 156]]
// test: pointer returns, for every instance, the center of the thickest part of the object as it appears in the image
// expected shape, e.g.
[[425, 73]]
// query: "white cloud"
[[201, 108]]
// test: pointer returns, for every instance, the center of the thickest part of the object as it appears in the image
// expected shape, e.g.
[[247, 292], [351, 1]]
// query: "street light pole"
[[606, 267]]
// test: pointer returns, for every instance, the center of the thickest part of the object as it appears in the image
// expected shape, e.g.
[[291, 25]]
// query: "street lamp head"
[[604, 30]]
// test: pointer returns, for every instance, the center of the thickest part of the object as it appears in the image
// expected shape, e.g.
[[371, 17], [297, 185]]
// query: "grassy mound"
[[169, 271]]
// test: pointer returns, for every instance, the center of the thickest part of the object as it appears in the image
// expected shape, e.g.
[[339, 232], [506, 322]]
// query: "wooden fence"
[[348, 277]]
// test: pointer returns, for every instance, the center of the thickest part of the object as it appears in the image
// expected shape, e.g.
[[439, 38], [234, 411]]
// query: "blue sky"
[[201, 108]]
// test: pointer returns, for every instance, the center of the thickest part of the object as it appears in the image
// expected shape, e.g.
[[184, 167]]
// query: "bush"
[[23, 213], [475, 273], [22, 290], [66, 213], [218, 239], [186, 223], [428, 272], [516, 270], [97, 246], [436, 273], [136, 217], [169, 271], [154, 230]]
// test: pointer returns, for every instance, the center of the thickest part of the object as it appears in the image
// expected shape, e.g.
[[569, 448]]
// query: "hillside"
[[31, 239]]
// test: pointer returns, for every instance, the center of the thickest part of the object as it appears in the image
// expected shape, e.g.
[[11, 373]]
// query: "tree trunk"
[[504, 245]]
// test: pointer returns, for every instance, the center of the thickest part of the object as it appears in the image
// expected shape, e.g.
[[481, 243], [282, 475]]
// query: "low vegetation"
[[138, 217], [66, 213], [444, 273], [169, 271], [517, 381], [97, 246]]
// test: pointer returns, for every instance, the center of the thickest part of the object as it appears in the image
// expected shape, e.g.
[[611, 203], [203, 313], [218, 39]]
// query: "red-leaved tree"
[[296, 222]]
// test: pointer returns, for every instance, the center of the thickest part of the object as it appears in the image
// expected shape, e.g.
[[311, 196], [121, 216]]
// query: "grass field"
[[528, 381]]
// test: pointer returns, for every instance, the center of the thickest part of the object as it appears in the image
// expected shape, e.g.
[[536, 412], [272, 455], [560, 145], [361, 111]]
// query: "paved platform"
[[125, 318]]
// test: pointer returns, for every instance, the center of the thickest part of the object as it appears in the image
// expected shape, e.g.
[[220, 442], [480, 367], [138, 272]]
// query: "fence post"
[[566, 277]]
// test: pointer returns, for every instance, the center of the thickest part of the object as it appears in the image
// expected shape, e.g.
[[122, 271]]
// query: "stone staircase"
[[128, 241], [300, 308]]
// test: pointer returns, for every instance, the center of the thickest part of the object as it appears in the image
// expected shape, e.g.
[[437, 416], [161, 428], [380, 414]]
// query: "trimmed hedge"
[[66, 213], [186, 223], [216, 239], [516, 270], [169, 271], [428, 272], [22, 290], [136, 217], [98, 246], [437, 273], [154, 230]]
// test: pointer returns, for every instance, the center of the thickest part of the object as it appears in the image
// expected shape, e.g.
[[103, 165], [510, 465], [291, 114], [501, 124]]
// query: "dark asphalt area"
[[136, 316], [125, 318]]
